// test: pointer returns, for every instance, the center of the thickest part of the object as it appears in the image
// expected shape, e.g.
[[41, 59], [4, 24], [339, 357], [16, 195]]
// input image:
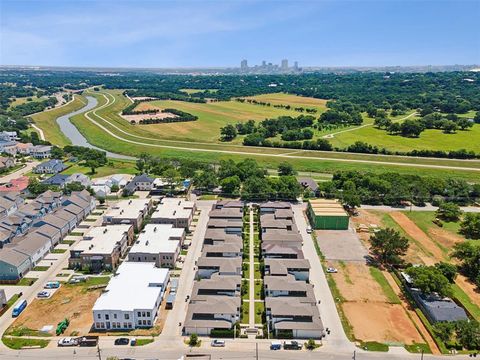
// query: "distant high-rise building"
[[243, 64], [264, 63], [284, 65], [295, 65]]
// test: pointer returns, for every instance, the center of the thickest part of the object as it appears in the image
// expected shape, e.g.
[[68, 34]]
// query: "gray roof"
[[230, 265], [440, 309], [12, 257], [281, 235], [47, 230], [274, 249], [223, 248], [308, 182], [217, 282], [65, 215], [54, 220], [275, 205], [226, 213], [221, 235], [74, 209], [228, 204], [29, 244], [224, 223], [282, 266], [142, 178]]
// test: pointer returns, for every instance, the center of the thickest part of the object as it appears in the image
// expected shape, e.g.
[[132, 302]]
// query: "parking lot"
[[341, 245]]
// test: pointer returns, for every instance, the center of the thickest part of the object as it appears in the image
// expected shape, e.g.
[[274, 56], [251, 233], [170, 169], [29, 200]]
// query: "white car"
[[43, 294], [67, 341], [332, 270], [309, 229], [218, 343]]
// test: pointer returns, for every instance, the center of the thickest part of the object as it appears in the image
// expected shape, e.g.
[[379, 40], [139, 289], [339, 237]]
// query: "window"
[[114, 316], [127, 316], [143, 313], [129, 325], [97, 325], [125, 325], [149, 322], [99, 316], [139, 314], [148, 313], [118, 325], [114, 325], [107, 317], [144, 322]]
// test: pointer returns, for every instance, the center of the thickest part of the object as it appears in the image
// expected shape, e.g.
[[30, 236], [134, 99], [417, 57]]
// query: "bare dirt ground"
[[416, 233], [356, 284], [367, 309], [469, 288], [72, 302], [412, 314], [444, 237], [381, 322], [139, 117]]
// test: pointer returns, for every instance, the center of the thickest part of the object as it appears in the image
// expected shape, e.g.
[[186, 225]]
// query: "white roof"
[[127, 209], [105, 188], [102, 239], [177, 202], [156, 239], [136, 285], [164, 212]]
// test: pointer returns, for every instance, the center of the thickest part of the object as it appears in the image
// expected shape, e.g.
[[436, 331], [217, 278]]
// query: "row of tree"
[[278, 106]]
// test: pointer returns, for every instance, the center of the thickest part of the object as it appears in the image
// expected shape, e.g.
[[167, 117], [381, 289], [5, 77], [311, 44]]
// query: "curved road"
[[75, 136]]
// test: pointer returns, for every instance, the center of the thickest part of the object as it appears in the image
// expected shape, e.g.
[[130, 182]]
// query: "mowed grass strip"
[[47, 121], [386, 288]]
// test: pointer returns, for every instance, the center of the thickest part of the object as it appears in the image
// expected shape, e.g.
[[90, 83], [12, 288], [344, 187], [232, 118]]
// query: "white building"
[[132, 297], [159, 244], [175, 211], [128, 212]]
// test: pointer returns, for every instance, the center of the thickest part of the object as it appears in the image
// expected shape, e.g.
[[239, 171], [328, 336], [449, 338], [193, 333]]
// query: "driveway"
[[328, 311]]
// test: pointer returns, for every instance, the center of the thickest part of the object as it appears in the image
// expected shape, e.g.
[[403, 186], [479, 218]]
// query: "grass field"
[[23, 100], [47, 121], [113, 166], [428, 140], [208, 151]]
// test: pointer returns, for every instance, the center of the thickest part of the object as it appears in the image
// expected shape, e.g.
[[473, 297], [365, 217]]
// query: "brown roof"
[[230, 265], [282, 266], [10, 256]]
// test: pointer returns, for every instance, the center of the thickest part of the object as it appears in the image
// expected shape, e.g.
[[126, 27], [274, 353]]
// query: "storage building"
[[327, 214]]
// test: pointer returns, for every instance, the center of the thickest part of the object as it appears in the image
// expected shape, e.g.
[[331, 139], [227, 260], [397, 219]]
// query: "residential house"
[[174, 211], [140, 182], [309, 184], [53, 166], [218, 265], [41, 151], [131, 211], [299, 268], [6, 162], [15, 185], [13, 265]]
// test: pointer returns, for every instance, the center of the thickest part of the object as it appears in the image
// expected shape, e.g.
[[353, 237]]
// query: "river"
[[76, 137]]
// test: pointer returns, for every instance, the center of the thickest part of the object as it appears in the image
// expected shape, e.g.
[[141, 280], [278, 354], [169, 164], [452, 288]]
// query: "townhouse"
[[131, 211], [101, 248], [52, 166], [158, 243], [132, 297]]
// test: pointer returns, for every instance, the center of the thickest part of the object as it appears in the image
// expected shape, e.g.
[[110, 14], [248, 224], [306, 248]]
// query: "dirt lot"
[[367, 309], [356, 284], [341, 245], [381, 322], [469, 288], [434, 252], [444, 237], [139, 117], [73, 302]]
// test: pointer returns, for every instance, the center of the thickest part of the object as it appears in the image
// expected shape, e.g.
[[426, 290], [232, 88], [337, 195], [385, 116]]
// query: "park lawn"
[[195, 91], [258, 289], [265, 156], [114, 166], [430, 139], [245, 315], [46, 121], [23, 100], [293, 100]]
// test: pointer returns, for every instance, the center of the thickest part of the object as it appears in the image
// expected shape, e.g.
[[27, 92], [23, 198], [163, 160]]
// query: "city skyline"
[[218, 34]]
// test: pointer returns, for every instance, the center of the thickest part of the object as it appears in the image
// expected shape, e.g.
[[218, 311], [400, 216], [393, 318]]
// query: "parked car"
[[52, 285], [332, 270], [122, 341], [292, 345], [133, 342], [88, 341], [78, 279], [43, 294], [67, 341], [309, 229], [275, 345], [218, 343]]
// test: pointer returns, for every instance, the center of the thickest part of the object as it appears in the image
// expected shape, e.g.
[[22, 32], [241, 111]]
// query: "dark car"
[[122, 341]]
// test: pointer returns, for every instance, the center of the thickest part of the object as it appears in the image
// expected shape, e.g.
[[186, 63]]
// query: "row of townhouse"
[[13, 147], [216, 298], [290, 304], [50, 217], [134, 295], [156, 186], [174, 211]]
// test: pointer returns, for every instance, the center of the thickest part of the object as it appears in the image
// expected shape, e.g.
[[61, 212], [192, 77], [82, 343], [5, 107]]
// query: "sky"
[[125, 33]]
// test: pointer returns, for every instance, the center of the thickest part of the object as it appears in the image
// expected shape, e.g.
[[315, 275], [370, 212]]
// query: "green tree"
[[57, 153], [429, 280], [228, 132], [114, 188], [205, 180], [388, 246], [449, 127], [93, 165], [448, 270], [470, 226], [444, 330], [286, 169], [469, 257], [448, 211], [468, 334], [193, 340], [477, 117], [231, 185], [349, 196], [172, 176]]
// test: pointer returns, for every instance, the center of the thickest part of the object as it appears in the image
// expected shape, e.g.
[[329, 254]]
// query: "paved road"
[[188, 147], [185, 283], [337, 339], [27, 168]]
